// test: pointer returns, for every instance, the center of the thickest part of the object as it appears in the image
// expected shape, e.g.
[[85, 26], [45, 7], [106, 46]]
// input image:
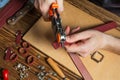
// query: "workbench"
[[8, 34]]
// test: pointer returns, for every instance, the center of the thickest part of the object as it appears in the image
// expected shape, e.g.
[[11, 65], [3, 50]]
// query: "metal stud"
[[38, 56]]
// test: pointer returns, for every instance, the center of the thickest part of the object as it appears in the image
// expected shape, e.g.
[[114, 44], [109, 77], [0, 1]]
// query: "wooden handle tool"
[[54, 65]]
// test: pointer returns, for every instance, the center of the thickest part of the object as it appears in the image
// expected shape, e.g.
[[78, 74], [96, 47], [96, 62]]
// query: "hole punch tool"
[[56, 24]]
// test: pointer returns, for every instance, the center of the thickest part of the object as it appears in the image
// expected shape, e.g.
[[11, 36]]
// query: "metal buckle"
[[101, 56]]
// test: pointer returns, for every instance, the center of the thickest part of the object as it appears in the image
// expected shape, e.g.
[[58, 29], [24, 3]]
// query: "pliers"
[[56, 24]]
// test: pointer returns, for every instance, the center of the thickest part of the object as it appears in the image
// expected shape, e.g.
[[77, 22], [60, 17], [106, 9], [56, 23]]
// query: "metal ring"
[[95, 59]]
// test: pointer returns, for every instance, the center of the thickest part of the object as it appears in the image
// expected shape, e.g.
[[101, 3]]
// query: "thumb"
[[60, 4], [79, 36]]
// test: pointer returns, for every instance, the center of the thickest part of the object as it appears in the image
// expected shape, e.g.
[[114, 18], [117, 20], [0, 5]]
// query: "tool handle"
[[52, 7], [5, 74], [55, 67]]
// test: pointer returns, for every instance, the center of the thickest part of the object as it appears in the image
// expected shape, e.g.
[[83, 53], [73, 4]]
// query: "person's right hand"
[[44, 5], [85, 42]]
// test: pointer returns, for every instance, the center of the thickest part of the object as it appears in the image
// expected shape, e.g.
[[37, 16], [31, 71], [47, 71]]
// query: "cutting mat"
[[41, 37]]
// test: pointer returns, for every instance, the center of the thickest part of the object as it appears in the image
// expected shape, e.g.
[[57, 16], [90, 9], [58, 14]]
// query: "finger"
[[60, 4], [67, 30], [44, 6], [72, 48], [79, 36], [36, 4], [75, 29], [82, 54]]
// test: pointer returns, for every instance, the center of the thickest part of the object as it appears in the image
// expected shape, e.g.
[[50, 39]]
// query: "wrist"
[[111, 43]]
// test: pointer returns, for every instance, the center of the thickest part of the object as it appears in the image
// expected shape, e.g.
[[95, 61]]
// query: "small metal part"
[[38, 56], [22, 70], [41, 75], [101, 56], [54, 74], [41, 67]]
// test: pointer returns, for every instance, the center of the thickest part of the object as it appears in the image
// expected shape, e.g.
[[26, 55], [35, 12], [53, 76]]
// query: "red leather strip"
[[107, 26], [80, 66], [12, 7], [78, 62], [75, 58]]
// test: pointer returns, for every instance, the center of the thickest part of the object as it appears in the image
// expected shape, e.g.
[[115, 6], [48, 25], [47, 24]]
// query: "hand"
[[85, 42], [44, 5]]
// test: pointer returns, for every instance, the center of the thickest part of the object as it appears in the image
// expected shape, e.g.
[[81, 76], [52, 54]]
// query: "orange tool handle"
[[58, 37], [53, 6]]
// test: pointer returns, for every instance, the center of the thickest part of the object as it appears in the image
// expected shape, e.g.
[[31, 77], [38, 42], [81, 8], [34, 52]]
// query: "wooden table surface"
[[7, 37]]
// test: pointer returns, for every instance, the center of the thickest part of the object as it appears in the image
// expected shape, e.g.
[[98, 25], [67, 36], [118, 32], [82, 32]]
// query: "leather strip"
[[10, 55], [75, 57], [80, 66], [106, 26], [10, 9]]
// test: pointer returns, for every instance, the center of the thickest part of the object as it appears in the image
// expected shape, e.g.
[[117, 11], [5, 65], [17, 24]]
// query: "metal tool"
[[56, 24]]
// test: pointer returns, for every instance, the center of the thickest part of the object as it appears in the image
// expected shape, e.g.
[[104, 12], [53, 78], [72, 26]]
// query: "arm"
[[113, 45]]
